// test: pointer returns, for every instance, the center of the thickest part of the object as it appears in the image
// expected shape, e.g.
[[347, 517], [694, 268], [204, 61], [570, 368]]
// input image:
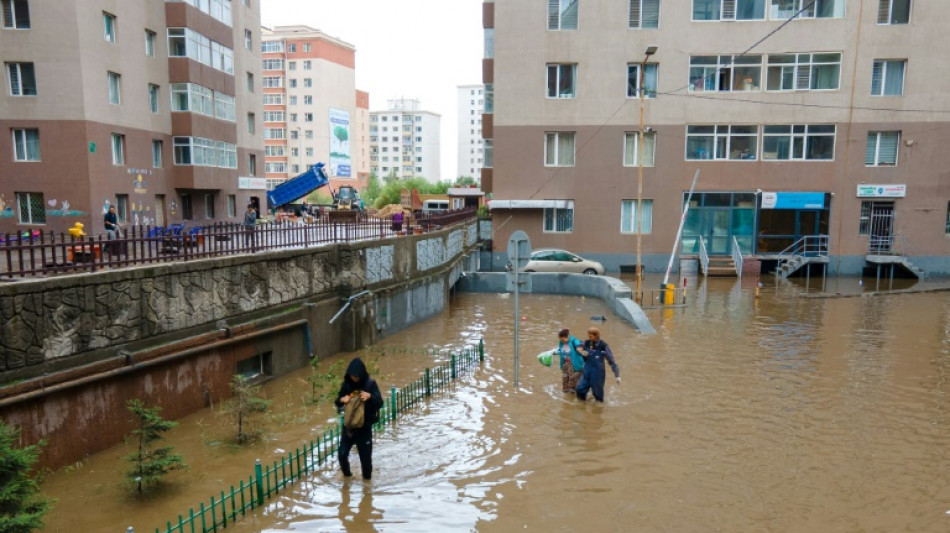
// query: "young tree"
[[150, 464], [21, 511], [241, 407]]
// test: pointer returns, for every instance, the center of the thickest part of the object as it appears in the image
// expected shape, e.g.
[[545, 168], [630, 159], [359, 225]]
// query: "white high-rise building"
[[471, 105], [404, 141]]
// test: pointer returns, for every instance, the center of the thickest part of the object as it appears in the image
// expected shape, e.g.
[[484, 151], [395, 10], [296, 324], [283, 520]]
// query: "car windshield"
[[542, 256]]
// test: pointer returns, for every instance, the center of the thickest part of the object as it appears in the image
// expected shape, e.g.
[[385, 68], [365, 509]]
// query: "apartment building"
[[311, 106], [147, 106], [404, 141], [471, 153], [822, 119]]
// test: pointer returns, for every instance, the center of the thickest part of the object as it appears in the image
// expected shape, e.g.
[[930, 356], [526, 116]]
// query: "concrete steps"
[[721, 266]]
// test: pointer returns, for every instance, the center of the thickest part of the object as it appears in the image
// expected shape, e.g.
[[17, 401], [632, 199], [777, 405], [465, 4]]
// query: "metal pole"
[[517, 290], [679, 232], [638, 295]]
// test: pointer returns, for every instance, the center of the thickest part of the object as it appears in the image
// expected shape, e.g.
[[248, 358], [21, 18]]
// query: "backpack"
[[353, 413]]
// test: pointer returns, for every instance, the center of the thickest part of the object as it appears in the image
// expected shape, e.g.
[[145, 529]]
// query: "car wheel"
[[590, 272]]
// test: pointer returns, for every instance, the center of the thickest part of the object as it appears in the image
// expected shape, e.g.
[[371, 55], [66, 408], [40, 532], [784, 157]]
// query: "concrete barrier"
[[616, 294]]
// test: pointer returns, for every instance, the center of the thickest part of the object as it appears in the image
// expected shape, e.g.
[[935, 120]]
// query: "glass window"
[[887, 77], [721, 142], [232, 206], [22, 79], [122, 208], [725, 73], [643, 14], [631, 141], [798, 142], [153, 98], [149, 43], [156, 154], [649, 80], [118, 149], [31, 208], [272, 46], [250, 123], [114, 94], [786, 9], [560, 80], [628, 216], [247, 39], [307, 64], [273, 64], [16, 14], [728, 9], [308, 82], [26, 145], [882, 148], [209, 206], [559, 220], [562, 14], [489, 51], [559, 149], [108, 24], [489, 153], [250, 82], [803, 72], [893, 12]]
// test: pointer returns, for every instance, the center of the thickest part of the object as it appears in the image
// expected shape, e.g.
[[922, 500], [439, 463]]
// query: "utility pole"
[[639, 292]]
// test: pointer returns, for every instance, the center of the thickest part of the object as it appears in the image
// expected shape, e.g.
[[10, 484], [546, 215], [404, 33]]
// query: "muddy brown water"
[[781, 413]]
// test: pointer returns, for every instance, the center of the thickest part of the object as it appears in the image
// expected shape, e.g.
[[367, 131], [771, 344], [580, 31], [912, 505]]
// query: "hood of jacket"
[[357, 369]]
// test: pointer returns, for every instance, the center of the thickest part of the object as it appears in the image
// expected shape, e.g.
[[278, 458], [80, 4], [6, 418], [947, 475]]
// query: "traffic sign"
[[519, 249]]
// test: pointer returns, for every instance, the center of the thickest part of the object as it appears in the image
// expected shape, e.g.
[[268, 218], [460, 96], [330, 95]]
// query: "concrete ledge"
[[616, 294]]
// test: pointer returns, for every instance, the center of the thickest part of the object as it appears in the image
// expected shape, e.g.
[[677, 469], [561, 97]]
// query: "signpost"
[[519, 251]]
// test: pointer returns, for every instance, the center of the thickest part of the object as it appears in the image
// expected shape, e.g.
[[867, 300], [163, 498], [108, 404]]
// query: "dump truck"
[[346, 199]]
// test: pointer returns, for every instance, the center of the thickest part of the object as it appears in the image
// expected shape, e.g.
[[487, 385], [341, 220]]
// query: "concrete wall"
[[75, 349]]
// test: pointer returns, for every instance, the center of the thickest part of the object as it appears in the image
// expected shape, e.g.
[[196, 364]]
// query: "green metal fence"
[[266, 481]]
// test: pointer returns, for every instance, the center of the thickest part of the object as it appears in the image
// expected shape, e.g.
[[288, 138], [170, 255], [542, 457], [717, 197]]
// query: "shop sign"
[[252, 183], [882, 191], [793, 200]]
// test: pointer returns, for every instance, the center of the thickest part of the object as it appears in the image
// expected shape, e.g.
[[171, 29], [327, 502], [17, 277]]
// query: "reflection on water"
[[777, 413]]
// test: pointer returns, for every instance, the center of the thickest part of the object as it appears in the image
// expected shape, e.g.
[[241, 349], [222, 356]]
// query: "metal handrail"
[[703, 256], [807, 246], [737, 256]]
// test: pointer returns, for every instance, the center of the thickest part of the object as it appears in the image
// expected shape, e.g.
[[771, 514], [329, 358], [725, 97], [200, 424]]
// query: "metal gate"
[[881, 228]]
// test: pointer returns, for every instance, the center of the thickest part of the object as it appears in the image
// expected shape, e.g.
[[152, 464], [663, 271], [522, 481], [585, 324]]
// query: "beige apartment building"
[[312, 110], [822, 123], [150, 106]]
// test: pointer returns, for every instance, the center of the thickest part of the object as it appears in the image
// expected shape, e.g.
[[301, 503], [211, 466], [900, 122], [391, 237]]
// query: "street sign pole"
[[519, 251]]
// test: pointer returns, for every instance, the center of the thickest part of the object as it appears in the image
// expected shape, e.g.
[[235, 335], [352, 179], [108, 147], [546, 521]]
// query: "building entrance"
[[722, 219]]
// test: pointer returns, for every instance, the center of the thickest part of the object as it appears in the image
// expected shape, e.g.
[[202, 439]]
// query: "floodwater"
[[784, 412]]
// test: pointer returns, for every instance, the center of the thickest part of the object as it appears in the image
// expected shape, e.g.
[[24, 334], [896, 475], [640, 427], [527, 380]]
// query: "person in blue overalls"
[[595, 351]]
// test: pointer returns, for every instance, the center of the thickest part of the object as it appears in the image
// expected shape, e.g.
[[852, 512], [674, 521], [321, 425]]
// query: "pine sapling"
[[150, 463]]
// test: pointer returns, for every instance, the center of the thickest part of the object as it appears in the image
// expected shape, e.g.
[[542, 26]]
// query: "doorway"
[[160, 210], [877, 222]]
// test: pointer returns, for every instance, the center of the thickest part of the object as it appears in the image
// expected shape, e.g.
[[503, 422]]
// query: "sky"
[[420, 49]]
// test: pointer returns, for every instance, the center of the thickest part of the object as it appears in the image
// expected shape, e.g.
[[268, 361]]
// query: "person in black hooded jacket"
[[357, 381]]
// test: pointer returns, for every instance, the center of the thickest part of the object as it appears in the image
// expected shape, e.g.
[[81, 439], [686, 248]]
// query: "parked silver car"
[[553, 260]]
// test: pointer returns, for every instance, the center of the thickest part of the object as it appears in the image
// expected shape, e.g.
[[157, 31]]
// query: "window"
[[309, 152], [274, 116], [644, 14], [31, 208], [275, 168], [250, 123], [108, 24], [224, 107], [785, 9], [308, 117], [272, 46], [307, 64], [489, 98], [275, 133], [559, 220], [114, 94], [887, 77], [308, 82], [274, 99], [628, 216], [275, 150], [293, 117], [649, 80], [306, 47], [26, 145], [882, 148], [156, 154], [273, 64], [295, 168], [308, 134], [728, 9], [22, 79], [292, 48], [559, 149], [798, 142], [198, 151], [560, 80], [232, 206], [293, 134], [122, 208], [562, 14], [248, 36], [16, 14], [186, 206], [185, 42], [252, 164], [307, 100], [489, 51], [893, 12], [250, 82], [118, 149], [947, 230], [631, 141], [254, 367], [272, 82], [209, 206], [293, 83], [149, 43], [721, 142], [293, 100], [295, 152], [725, 73], [153, 98], [197, 99], [803, 72]]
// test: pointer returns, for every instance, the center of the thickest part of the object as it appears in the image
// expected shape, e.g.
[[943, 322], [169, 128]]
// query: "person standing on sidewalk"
[[358, 384], [595, 350], [250, 221]]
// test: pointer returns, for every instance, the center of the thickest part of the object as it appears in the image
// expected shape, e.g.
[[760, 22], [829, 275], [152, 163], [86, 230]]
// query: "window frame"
[[557, 152], [40, 203], [725, 67], [117, 142], [646, 223], [554, 216], [154, 96], [651, 145], [15, 19], [796, 65], [809, 13], [157, 147], [878, 135], [648, 92], [637, 6], [555, 15], [25, 143], [883, 82], [150, 39], [110, 27], [558, 94], [805, 136], [717, 134], [114, 81], [723, 14], [18, 67], [885, 13]]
